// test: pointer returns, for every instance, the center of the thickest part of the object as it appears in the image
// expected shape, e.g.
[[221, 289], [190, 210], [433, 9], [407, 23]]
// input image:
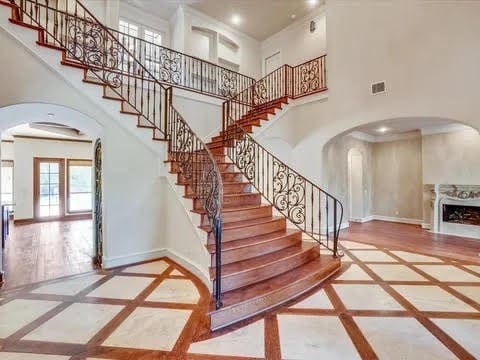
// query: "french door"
[[49, 188]]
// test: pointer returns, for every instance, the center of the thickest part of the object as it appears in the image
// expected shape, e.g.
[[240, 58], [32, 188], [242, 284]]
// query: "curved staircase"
[[264, 262], [259, 256]]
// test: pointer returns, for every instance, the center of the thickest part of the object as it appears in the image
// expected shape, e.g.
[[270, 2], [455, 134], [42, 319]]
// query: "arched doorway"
[[54, 202], [355, 184]]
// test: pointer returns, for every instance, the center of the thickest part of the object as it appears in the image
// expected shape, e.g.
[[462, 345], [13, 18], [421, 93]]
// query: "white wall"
[[183, 40], [296, 43], [24, 151], [132, 198], [424, 50], [203, 113], [6, 150]]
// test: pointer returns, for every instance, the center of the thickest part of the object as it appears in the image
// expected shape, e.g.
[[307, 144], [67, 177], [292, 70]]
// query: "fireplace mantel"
[[454, 195]]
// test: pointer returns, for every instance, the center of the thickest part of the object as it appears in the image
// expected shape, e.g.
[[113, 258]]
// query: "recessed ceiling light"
[[312, 2], [236, 19], [382, 129]]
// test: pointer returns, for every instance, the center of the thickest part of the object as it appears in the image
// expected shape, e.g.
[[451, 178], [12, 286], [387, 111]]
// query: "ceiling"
[[43, 130], [396, 129], [257, 20]]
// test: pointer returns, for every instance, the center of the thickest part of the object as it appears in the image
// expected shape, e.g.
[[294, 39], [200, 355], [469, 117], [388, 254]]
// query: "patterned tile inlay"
[[150, 328], [391, 338], [152, 309], [76, 324], [176, 291], [314, 337], [246, 341]]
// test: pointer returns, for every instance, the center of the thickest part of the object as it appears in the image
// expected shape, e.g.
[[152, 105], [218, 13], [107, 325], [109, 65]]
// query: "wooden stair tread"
[[245, 223], [264, 260], [236, 195], [241, 243], [236, 208], [236, 296]]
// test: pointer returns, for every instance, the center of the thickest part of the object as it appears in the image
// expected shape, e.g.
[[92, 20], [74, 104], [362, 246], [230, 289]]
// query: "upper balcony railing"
[[288, 81], [185, 71]]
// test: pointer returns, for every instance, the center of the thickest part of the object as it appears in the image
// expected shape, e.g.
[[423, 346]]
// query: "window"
[[128, 42], [49, 187], [152, 52], [7, 183], [79, 186]]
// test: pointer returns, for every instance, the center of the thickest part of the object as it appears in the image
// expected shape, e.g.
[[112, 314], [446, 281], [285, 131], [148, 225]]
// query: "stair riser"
[[219, 157], [226, 177], [254, 250], [251, 231], [250, 199], [243, 310], [233, 200], [255, 213], [175, 167], [268, 271], [228, 189]]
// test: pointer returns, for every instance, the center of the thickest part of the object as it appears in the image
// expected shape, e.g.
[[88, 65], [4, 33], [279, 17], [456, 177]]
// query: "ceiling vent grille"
[[378, 88]]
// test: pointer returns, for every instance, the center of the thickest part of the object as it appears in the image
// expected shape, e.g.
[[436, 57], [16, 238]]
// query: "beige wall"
[[397, 179], [452, 158], [336, 177]]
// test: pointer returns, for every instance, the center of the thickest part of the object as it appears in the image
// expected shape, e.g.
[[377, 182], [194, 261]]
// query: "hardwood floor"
[[414, 238], [48, 250]]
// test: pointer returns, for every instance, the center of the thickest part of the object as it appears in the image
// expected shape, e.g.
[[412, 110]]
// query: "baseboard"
[[363, 220], [116, 261], [73, 217], [426, 226], [195, 269], [397, 219], [391, 219], [113, 262]]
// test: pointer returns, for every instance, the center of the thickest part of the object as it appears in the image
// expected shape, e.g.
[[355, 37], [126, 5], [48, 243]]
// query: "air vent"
[[378, 88]]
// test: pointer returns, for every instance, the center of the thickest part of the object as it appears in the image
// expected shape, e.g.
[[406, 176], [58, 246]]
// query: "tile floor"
[[384, 304]]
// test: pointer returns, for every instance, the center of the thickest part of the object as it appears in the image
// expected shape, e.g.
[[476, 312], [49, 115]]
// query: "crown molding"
[[444, 129], [49, 139]]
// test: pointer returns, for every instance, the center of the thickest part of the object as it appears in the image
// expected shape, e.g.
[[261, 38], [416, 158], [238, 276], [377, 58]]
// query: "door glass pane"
[[44, 178], [79, 186], [49, 187], [44, 189], [44, 168], [54, 168]]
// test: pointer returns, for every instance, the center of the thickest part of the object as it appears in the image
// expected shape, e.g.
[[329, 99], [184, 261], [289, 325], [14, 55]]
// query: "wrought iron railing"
[[199, 169], [287, 82], [307, 206], [91, 45], [185, 71], [313, 210]]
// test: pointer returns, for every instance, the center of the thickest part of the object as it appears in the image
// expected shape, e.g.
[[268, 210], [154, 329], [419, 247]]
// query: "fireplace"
[[461, 214], [455, 210]]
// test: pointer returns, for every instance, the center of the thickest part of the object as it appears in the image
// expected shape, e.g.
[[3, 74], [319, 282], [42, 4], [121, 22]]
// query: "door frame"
[[36, 188]]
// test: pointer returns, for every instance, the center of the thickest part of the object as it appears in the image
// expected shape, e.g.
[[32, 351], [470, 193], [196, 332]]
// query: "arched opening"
[[51, 199], [408, 174], [355, 184]]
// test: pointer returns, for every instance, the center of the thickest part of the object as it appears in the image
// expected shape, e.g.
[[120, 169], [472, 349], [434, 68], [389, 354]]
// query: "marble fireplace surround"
[[467, 195]]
